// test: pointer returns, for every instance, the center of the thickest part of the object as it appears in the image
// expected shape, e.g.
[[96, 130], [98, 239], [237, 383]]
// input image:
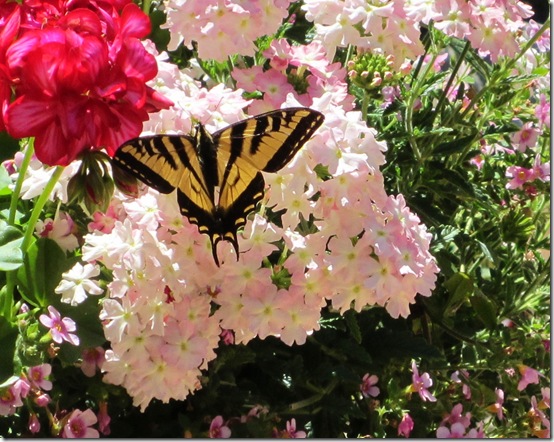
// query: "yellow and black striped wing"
[[266, 142], [166, 163], [231, 159]]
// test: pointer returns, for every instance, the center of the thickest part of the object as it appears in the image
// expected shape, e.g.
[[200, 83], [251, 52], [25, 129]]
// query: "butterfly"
[[230, 159]]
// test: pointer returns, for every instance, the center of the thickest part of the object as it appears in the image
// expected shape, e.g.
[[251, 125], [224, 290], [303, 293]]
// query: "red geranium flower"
[[80, 84]]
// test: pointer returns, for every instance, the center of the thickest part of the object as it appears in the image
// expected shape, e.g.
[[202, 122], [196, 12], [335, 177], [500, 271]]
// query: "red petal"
[[82, 21], [134, 22], [27, 117], [8, 30], [136, 61]]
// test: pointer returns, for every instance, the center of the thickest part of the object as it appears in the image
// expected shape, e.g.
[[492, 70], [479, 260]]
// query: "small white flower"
[[77, 283]]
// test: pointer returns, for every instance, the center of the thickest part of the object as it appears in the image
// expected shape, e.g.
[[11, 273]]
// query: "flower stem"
[[39, 206], [20, 178]]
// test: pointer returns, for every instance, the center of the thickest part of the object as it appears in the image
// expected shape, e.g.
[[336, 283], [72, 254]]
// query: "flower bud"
[[92, 184]]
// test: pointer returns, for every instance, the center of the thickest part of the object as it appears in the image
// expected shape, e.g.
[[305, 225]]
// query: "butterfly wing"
[[232, 159], [169, 162], [266, 142]]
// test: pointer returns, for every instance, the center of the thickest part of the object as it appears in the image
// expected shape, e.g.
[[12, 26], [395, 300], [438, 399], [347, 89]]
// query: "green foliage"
[[488, 315]]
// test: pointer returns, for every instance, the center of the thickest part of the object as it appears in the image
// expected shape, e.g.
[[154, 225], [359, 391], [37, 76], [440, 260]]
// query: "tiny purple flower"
[[59, 327], [421, 384]]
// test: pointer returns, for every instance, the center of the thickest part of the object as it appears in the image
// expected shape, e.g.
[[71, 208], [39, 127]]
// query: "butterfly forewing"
[[157, 160], [266, 143], [269, 141]]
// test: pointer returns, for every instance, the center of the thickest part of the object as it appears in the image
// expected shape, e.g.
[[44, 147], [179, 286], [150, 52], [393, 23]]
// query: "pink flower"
[[34, 424], [59, 327], [104, 418], [406, 426], [368, 385], [92, 358], [61, 230], [78, 425], [218, 430], [456, 416], [497, 406], [526, 137], [37, 376], [103, 222], [519, 175], [42, 400], [11, 397], [291, 431], [542, 111], [528, 376], [456, 431], [476, 433], [421, 384], [466, 390], [227, 337], [539, 419]]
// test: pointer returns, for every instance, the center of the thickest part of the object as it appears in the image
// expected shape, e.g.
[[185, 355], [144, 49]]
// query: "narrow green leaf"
[[454, 146], [460, 286], [485, 309], [353, 326]]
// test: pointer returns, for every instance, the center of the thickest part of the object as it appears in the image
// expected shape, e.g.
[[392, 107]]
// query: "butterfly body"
[[230, 160]]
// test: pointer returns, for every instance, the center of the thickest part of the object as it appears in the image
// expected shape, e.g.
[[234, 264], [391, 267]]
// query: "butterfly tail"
[[216, 238]]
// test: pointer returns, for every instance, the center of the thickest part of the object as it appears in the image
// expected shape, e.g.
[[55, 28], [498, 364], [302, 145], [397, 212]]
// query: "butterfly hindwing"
[[231, 159]]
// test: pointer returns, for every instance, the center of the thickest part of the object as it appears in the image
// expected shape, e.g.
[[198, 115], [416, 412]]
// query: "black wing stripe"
[[185, 160], [303, 131], [237, 138], [159, 143], [261, 127], [126, 159]]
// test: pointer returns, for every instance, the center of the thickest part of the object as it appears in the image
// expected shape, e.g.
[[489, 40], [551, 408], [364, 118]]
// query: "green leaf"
[[11, 256], [454, 146], [485, 309], [8, 336], [353, 326], [42, 271], [5, 182], [460, 286]]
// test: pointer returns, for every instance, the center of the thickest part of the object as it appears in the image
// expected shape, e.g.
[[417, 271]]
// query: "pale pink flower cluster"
[[310, 61], [393, 27], [168, 301], [215, 107], [223, 28]]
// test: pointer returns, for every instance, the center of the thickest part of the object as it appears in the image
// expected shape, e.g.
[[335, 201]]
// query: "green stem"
[[7, 293], [446, 90], [410, 109], [20, 178], [146, 6], [39, 205]]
